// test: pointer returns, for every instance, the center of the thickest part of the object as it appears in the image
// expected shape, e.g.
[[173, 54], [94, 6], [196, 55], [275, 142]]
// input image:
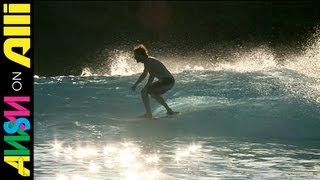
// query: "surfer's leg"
[[155, 90], [160, 99], [146, 102]]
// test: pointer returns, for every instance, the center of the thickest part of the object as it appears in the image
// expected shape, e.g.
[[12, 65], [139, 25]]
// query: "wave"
[[274, 103]]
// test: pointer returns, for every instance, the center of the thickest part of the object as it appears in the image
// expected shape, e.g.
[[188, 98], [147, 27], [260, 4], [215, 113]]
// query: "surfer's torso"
[[157, 69]]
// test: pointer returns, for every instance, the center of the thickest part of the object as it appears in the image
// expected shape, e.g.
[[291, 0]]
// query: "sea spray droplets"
[[308, 63], [86, 72], [251, 60], [122, 63]]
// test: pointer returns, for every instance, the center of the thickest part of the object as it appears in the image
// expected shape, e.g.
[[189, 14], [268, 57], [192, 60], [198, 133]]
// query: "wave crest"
[[260, 58]]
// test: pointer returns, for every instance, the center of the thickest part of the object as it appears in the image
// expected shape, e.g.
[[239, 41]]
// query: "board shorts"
[[163, 85]]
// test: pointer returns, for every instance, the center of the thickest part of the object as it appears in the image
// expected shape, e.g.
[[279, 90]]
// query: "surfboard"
[[155, 117]]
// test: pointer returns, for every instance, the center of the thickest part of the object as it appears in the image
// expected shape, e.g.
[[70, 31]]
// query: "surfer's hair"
[[140, 50]]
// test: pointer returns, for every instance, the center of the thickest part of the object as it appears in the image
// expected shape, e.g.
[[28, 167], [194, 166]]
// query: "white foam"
[[258, 59], [86, 72]]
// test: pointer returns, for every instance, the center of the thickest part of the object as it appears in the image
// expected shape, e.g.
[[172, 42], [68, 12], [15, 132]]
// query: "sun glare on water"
[[186, 152], [126, 160]]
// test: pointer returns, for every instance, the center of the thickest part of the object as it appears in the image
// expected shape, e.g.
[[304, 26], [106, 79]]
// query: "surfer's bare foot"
[[148, 115], [172, 112]]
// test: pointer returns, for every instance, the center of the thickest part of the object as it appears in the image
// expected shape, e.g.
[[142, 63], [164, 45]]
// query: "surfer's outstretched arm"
[[141, 78]]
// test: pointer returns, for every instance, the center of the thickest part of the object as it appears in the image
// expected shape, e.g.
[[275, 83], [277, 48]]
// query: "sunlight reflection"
[[128, 155], [194, 147], [186, 152], [93, 167], [77, 177], [62, 177], [110, 149], [57, 148], [152, 159], [147, 175], [109, 163], [126, 158], [57, 145], [73, 177], [131, 175], [81, 152]]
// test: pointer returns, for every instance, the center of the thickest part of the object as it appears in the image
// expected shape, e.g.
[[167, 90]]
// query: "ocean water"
[[250, 119]]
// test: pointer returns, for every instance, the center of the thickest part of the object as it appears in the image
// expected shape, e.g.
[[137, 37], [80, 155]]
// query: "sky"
[[68, 34]]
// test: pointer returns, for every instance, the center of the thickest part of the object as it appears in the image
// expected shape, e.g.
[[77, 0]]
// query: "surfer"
[[156, 70]]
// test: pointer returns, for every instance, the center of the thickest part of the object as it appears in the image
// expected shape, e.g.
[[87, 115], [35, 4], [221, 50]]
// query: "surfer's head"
[[140, 53]]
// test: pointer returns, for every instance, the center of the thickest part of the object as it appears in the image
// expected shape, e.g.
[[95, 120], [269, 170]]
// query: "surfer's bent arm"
[[141, 78]]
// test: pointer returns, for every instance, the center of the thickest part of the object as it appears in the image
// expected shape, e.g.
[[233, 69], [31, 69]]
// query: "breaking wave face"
[[298, 72], [277, 97]]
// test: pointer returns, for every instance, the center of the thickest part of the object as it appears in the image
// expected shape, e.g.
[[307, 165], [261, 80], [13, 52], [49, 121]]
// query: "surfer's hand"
[[133, 87]]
